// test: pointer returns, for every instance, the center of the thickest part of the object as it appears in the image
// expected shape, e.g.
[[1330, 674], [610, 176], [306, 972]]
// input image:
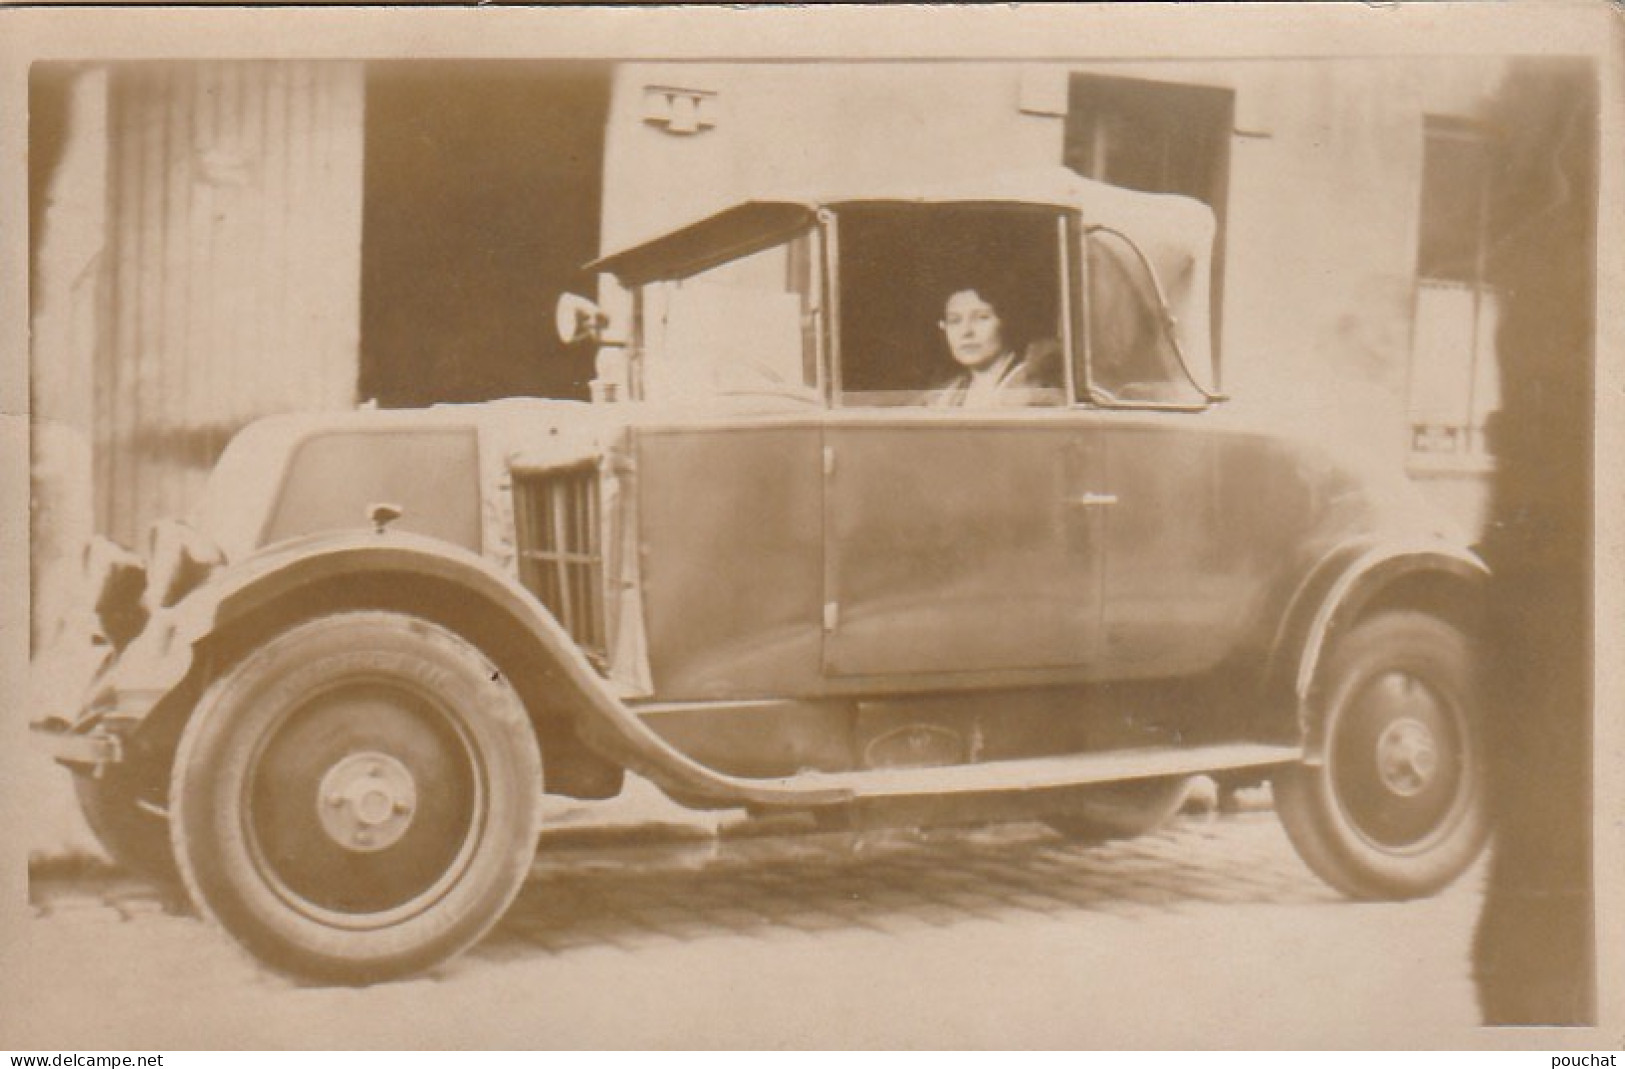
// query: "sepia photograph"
[[1001, 527]]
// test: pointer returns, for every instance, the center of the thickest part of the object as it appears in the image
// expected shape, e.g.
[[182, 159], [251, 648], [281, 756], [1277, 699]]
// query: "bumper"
[[96, 748]]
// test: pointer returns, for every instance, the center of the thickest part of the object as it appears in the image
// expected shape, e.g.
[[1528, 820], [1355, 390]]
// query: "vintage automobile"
[[768, 569]]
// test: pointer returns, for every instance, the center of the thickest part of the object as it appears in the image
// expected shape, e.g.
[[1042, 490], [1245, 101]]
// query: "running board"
[[618, 733], [1034, 773]]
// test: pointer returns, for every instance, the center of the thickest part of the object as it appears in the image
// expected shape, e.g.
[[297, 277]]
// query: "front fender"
[[1365, 579], [239, 600], [1347, 583], [163, 655]]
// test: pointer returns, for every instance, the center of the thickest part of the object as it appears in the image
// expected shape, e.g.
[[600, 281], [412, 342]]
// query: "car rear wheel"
[[1396, 805], [357, 799]]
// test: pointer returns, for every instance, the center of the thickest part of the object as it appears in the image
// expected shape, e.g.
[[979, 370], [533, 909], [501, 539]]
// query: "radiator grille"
[[561, 557]]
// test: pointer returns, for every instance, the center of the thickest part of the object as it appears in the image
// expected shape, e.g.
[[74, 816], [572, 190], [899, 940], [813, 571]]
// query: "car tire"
[[1121, 810], [135, 838], [1396, 805], [358, 799]]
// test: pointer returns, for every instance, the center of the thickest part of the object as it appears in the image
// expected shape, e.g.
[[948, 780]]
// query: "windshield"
[[745, 327]]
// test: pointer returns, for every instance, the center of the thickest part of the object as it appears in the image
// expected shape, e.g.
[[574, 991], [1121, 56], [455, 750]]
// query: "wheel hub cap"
[[1407, 756], [366, 801]]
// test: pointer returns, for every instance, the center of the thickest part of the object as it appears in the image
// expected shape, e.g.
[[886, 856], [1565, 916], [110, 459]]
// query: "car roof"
[[1151, 219]]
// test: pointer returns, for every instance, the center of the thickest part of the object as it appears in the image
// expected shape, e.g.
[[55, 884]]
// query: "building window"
[[1454, 385], [1158, 137], [1153, 136]]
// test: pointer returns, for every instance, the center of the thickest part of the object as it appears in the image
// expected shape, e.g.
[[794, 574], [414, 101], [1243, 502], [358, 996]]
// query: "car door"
[[959, 544], [1174, 594], [1170, 596]]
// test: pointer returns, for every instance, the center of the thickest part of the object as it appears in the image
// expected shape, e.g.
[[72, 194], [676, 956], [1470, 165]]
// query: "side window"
[[747, 326], [1128, 347], [950, 306]]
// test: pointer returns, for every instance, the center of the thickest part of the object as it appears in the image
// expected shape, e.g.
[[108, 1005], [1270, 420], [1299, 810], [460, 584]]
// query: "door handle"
[[1093, 500]]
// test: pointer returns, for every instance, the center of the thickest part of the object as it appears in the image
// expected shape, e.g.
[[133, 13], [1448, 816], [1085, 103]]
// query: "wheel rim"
[[1399, 763], [366, 801], [365, 804]]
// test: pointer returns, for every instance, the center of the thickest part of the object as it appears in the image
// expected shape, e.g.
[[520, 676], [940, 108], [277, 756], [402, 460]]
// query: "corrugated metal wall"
[[234, 254]]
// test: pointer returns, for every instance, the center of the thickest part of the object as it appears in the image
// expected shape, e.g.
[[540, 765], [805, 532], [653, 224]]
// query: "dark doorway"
[[482, 194]]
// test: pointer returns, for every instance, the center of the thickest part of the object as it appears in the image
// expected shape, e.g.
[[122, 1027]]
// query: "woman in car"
[[1000, 366]]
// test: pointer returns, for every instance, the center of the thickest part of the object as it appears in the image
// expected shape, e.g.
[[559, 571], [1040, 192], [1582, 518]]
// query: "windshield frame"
[[1066, 320], [1098, 396]]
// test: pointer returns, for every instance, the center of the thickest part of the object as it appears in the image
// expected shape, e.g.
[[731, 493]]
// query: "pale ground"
[[1211, 934]]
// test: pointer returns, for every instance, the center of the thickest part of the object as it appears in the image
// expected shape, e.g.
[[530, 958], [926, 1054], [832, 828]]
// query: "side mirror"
[[577, 320]]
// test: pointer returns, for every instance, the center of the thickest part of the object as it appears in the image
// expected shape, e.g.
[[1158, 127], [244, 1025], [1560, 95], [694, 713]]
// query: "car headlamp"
[[115, 579]]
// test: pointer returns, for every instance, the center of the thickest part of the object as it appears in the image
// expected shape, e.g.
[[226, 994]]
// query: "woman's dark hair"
[[1009, 300]]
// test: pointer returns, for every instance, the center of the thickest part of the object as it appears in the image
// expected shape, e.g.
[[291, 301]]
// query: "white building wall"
[[65, 334], [809, 127]]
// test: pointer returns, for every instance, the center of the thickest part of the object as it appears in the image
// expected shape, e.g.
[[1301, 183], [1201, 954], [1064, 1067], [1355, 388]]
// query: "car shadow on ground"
[[660, 884], [892, 883]]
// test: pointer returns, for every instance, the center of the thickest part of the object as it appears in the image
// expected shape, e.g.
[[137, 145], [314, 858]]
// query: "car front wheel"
[[357, 799], [1395, 806]]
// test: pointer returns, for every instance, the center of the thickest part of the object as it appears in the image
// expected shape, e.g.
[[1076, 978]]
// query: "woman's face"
[[971, 325]]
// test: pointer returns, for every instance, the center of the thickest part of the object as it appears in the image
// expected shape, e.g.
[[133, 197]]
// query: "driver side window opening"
[[899, 267]]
